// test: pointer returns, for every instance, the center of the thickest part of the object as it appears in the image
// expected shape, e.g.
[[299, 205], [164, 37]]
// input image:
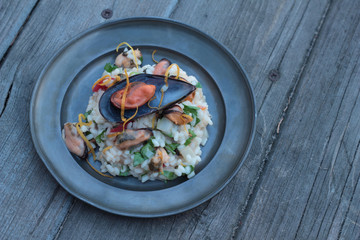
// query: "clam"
[[177, 90]]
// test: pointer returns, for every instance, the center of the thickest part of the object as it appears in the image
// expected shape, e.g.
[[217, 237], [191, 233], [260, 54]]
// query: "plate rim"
[[171, 22]]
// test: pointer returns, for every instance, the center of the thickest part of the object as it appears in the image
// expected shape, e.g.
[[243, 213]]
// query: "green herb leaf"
[[138, 159], [87, 114], [100, 137], [124, 174], [197, 121], [141, 59], [147, 151], [192, 168], [198, 85], [191, 110], [171, 147], [169, 175], [109, 67], [87, 133], [193, 135]]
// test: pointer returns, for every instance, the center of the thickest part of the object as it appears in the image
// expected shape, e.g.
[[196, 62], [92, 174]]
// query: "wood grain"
[[33, 204], [263, 37], [13, 15], [310, 187]]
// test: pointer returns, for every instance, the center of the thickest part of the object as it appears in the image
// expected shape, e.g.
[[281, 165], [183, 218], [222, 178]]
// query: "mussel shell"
[[177, 91]]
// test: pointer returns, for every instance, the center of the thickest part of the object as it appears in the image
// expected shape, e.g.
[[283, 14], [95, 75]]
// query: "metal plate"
[[64, 87]]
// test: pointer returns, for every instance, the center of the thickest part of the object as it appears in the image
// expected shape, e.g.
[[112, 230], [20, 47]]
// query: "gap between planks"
[[2, 60], [276, 131]]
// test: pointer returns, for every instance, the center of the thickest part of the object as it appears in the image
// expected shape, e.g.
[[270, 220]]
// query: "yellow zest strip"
[[133, 52], [160, 155], [202, 107], [117, 79], [114, 134], [152, 56], [107, 148], [151, 99], [185, 117], [166, 78], [105, 82], [162, 97], [168, 70], [124, 97], [186, 129], [81, 123], [104, 175], [126, 121], [100, 79], [183, 164], [85, 139], [153, 122]]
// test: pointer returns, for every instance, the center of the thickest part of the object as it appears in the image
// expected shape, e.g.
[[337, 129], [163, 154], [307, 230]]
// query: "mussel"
[[73, 141], [177, 91]]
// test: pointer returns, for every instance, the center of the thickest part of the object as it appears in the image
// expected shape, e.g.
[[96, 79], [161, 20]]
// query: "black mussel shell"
[[177, 91]]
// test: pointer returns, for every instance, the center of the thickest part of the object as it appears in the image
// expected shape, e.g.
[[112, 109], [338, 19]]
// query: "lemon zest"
[[153, 122], [124, 97], [162, 97], [107, 148], [117, 79], [186, 129], [105, 82], [166, 79], [85, 139], [81, 117], [114, 134], [126, 121], [152, 56], [185, 117], [100, 79], [133, 52], [97, 170], [151, 99]]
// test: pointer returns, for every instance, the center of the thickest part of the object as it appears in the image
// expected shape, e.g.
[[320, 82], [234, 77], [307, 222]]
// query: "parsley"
[[141, 59], [169, 175], [124, 174], [109, 67], [87, 114], [138, 159], [193, 135], [197, 121], [192, 168], [100, 137], [148, 151], [198, 85], [171, 147], [193, 111]]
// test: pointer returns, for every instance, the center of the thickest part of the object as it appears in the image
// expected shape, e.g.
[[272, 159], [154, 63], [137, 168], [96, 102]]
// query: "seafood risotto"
[[145, 121]]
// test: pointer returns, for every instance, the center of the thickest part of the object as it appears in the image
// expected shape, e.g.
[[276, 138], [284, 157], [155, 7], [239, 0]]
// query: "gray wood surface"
[[300, 179]]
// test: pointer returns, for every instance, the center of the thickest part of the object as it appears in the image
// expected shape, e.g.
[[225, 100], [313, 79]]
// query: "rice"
[[188, 153]]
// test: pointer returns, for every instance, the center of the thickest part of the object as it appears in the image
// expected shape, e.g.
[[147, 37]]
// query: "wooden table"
[[300, 180]]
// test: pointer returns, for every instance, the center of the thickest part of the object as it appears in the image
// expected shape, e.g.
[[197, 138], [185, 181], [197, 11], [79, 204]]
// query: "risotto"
[[151, 141]]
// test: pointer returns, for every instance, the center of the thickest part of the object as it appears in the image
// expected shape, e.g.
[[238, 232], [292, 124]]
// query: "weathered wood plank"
[[13, 15], [263, 35], [310, 189], [33, 204]]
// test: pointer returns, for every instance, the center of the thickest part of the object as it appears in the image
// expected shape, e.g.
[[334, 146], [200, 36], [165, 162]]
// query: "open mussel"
[[176, 91]]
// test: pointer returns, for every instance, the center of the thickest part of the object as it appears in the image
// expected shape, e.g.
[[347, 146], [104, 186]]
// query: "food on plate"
[[143, 121]]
